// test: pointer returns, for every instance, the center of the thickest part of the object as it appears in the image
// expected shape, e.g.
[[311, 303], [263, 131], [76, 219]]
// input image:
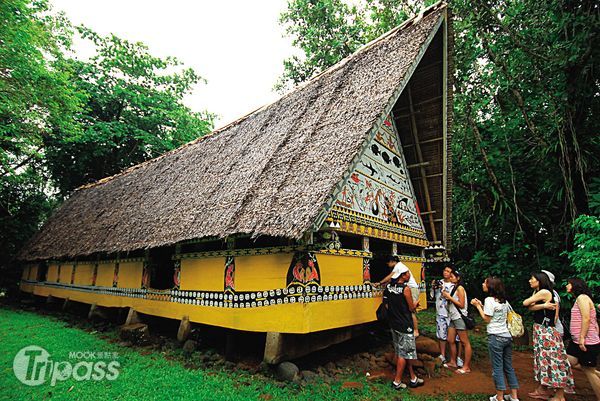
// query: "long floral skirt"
[[550, 364]]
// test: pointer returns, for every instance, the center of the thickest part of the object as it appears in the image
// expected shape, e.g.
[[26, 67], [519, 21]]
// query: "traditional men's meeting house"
[[280, 221]]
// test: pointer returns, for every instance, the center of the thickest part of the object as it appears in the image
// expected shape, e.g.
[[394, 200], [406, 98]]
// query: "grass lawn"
[[151, 375]]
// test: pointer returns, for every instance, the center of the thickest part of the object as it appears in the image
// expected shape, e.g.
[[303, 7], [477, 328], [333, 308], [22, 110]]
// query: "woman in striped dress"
[[584, 347]]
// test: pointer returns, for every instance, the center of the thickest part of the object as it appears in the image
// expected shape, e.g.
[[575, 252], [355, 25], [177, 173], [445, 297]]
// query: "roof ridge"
[[368, 45]]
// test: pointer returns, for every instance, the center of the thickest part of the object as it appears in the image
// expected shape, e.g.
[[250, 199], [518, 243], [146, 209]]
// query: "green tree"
[[326, 31], [585, 256], [65, 122], [134, 111], [35, 98]]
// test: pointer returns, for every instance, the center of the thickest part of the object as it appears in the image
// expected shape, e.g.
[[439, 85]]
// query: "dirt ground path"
[[480, 380]]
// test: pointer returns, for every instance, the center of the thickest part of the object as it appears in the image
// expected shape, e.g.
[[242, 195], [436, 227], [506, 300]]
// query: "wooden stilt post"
[[49, 299], [65, 304], [185, 327], [92, 311], [273, 348], [132, 317]]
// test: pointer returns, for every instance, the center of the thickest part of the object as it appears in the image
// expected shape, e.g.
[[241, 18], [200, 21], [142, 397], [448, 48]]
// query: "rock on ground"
[[136, 333], [287, 371]]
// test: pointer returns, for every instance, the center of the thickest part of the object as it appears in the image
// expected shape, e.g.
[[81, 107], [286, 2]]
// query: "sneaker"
[[494, 398], [442, 358], [418, 382], [459, 362], [507, 397], [398, 386]]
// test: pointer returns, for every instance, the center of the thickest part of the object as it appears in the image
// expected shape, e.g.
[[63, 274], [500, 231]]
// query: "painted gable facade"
[[379, 189]]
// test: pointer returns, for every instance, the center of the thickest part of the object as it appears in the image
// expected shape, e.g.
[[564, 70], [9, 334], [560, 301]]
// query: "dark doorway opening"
[[381, 250], [42, 272], [162, 267]]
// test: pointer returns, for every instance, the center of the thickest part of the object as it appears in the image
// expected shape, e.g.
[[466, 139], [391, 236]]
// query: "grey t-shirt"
[[498, 312]]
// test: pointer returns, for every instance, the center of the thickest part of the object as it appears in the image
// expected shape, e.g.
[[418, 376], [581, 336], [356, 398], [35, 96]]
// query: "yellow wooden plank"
[[130, 275], [340, 270], [33, 271], [261, 272], [105, 275], [203, 274], [52, 273], [83, 274], [65, 274]]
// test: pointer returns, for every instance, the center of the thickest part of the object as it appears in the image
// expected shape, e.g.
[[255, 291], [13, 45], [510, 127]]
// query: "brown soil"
[[480, 380]]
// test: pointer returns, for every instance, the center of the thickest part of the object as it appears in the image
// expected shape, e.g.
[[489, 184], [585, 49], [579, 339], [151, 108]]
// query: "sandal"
[[447, 365], [539, 396], [399, 386], [461, 371]]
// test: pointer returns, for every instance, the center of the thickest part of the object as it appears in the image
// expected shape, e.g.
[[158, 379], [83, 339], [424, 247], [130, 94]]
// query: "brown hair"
[[496, 288]]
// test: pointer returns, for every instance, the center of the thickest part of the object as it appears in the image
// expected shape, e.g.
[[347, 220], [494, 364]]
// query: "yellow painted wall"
[[33, 272], [203, 274], [106, 272], [130, 275], [83, 274], [340, 270], [261, 272], [415, 271], [65, 273], [52, 273]]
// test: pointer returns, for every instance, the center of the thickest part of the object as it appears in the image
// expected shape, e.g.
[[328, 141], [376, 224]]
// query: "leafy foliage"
[[133, 112], [585, 257], [66, 122]]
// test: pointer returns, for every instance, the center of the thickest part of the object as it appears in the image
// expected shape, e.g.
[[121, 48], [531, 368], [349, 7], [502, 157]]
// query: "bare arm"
[[477, 304], [386, 279], [584, 307], [460, 303], [409, 300], [546, 305], [543, 295]]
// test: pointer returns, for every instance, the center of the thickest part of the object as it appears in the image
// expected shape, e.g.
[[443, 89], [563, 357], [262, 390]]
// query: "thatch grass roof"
[[268, 173]]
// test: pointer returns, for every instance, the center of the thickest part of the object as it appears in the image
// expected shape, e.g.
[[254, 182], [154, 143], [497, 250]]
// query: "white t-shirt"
[[412, 283], [497, 311]]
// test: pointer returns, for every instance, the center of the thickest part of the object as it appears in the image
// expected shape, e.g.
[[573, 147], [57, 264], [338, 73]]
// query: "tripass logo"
[[32, 366]]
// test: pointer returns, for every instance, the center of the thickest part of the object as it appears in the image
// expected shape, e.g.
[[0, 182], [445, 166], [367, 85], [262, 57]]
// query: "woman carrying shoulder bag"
[[457, 307], [551, 367], [494, 311]]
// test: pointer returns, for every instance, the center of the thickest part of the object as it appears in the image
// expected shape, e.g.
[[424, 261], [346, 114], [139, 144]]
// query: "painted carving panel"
[[379, 187]]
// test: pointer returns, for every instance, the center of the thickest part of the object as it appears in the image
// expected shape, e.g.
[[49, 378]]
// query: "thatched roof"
[[269, 173]]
